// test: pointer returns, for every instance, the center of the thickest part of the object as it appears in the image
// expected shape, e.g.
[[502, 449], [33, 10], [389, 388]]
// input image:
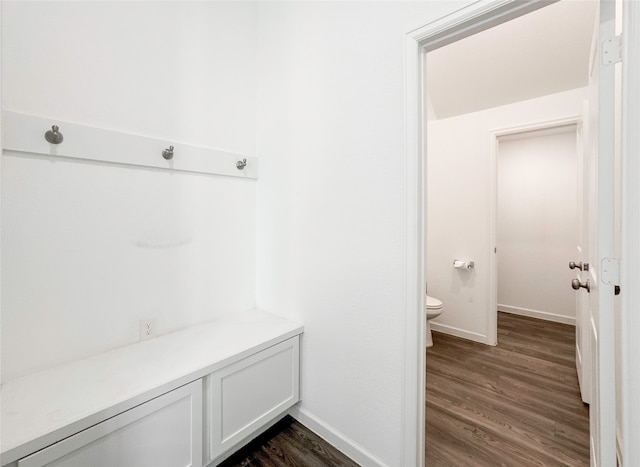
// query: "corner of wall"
[[336, 438]]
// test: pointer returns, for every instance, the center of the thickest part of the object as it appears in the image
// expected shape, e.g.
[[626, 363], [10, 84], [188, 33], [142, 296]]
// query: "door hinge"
[[612, 50], [610, 271]]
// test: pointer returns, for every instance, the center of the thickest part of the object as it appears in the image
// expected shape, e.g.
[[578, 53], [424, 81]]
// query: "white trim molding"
[[458, 332], [413, 429], [630, 260], [24, 135], [571, 121], [480, 15]]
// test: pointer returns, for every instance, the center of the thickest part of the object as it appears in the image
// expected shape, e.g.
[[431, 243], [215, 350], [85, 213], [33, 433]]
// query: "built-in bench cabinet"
[[247, 395], [163, 431], [215, 387]]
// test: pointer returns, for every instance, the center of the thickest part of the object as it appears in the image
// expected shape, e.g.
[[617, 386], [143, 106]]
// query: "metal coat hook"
[[241, 164], [53, 135], [168, 153]]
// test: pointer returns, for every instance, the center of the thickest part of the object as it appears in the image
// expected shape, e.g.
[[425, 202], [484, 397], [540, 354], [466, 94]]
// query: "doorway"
[[433, 37], [462, 23], [462, 127], [537, 224]]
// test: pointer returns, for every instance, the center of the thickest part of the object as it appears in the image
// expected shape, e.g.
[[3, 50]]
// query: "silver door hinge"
[[612, 50], [610, 271]]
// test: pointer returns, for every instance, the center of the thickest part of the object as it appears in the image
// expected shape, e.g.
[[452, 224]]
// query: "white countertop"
[[45, 407]]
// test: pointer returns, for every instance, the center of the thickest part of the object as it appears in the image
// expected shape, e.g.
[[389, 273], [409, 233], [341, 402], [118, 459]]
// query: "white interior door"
[[601, 204], [583, 322]]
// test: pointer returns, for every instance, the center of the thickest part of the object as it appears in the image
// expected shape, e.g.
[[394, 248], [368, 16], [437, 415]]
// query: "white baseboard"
[[515, 310], [446, 329], [337, 439]]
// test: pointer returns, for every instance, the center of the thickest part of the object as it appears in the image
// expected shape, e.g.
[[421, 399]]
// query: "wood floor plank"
[[516, 404], [533, 439], [288, 444]]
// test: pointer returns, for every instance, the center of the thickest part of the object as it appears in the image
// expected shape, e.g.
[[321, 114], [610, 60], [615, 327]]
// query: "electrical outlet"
[[147, 329]]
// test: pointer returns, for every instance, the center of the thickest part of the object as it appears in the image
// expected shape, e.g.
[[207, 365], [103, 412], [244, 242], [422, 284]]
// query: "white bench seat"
[[43, 408]]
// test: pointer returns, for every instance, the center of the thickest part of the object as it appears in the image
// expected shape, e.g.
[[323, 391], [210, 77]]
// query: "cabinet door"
[[250, 393], [166, 431]]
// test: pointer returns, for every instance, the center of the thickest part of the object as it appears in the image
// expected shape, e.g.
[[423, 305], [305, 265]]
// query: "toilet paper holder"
[[463, 264]]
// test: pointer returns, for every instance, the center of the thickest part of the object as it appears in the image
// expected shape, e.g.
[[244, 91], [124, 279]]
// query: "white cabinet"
[[242, 398], [187, 398], [166, 431], [250, 393]]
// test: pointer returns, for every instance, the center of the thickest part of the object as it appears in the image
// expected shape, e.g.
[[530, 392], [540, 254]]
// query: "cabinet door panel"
[[166, 431], [251, 393]]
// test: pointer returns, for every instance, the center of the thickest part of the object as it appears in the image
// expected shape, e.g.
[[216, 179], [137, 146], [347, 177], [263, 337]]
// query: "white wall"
[[184, 71], [88, 249], [331, 206], [537, 223], [459, 200]]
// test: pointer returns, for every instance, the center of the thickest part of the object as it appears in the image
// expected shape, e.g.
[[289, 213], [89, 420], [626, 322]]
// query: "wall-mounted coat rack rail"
[[26, 134]]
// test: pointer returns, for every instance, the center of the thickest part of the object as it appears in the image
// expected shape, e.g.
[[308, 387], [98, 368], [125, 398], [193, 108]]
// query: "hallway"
[[515, 404]]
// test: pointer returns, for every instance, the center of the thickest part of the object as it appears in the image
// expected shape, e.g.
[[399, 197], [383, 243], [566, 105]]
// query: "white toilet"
[[434, 308]]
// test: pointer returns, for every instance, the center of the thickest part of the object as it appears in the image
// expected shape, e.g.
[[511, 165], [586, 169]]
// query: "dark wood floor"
[[517, 404], [288, 443]]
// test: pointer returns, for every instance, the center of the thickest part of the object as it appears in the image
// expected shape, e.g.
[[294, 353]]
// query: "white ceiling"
[[543, 52]]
